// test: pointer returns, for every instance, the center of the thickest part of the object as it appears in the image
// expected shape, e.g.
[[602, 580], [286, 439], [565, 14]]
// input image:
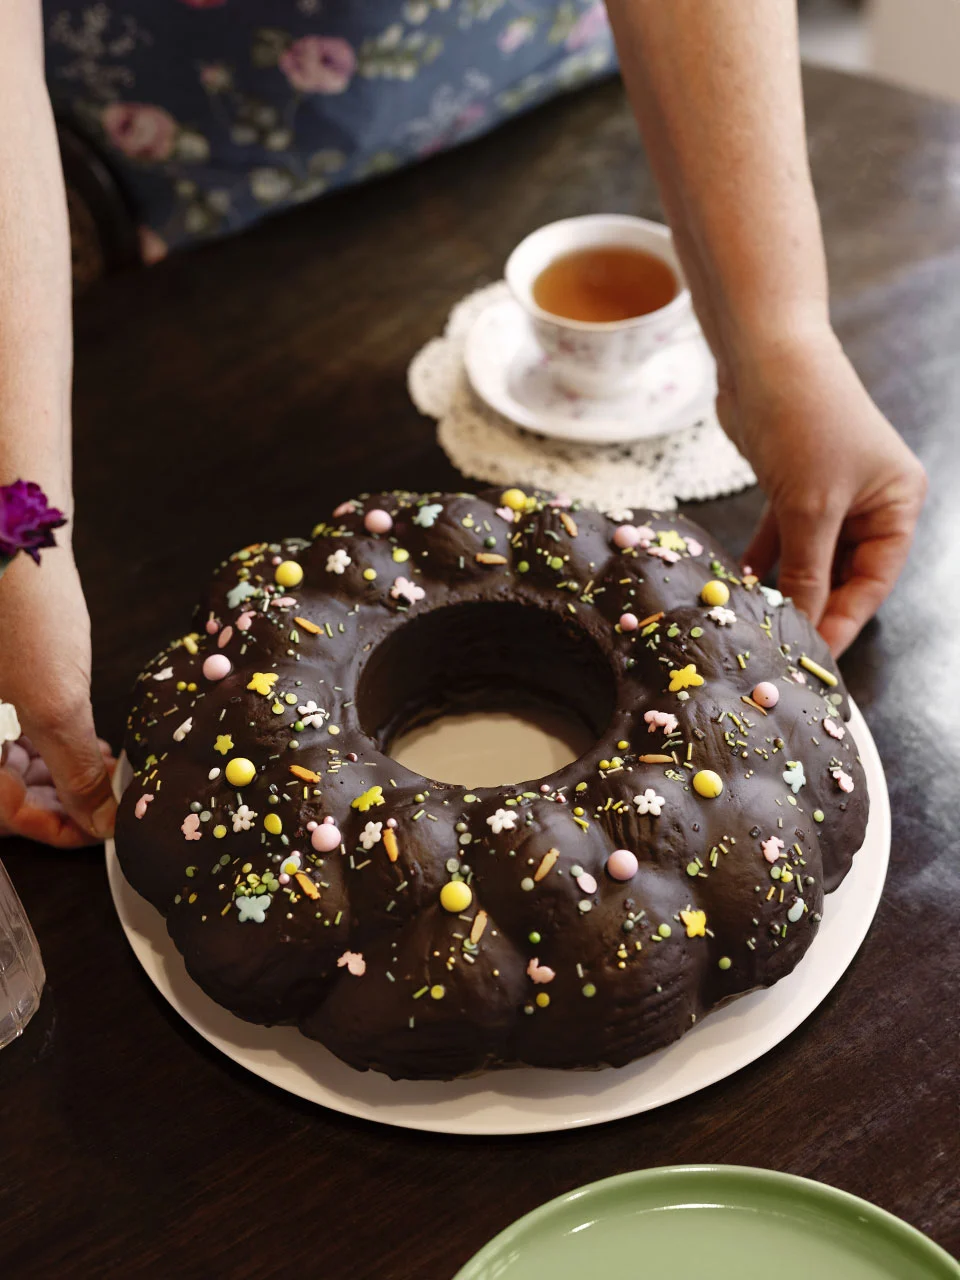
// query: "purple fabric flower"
[[27, 520]]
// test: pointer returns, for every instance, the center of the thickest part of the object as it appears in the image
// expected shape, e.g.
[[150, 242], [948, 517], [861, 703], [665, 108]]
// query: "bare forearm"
[[35, 328], [715, 86]]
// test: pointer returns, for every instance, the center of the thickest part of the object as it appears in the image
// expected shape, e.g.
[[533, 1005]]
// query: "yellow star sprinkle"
[[684, 678], [672, 540], [263, 682], [223, 744], [696, 922], [372, 796]]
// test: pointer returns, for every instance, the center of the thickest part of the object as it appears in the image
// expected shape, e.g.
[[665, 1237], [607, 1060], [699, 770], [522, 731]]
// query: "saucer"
[[510, 373]]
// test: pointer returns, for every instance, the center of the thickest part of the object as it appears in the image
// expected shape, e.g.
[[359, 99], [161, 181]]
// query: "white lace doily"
[[696, 463]]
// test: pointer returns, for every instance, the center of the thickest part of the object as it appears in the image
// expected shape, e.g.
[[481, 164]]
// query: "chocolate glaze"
[[538, 624]]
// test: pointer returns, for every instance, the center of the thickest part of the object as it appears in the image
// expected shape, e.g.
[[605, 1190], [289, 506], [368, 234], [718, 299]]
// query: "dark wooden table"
[[237, 393]]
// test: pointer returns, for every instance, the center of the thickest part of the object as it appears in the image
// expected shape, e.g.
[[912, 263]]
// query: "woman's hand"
[[844, 491], [45, 674]]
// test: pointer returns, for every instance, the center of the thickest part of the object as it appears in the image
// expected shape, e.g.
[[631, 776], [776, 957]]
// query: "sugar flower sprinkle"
[[502, 820], [337, 561], [243, 819], [648, 802], [371, 834]]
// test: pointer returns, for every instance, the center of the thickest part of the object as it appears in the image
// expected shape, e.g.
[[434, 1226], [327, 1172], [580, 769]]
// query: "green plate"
[[709, 1222]]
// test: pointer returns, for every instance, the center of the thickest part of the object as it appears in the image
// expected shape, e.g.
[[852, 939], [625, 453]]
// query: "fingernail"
[[102, 819]]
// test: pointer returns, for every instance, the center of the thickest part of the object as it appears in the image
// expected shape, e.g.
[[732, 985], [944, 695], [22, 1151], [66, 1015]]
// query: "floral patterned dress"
[[212, 113]]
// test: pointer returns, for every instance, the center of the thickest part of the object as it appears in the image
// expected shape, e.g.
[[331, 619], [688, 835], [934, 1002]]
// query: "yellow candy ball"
[[273, 824], [369, 575], [240, 771], [515, 499], [289, 574], [456, 897], [543, 1000], [715, 592], [708, 784]]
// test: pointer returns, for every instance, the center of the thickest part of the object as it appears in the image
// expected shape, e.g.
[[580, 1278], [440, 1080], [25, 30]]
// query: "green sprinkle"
[[724, 962], [696, 633], [534, 937], [693, 868], [818, 815], [523, 567], [589, 990], [664, 930]]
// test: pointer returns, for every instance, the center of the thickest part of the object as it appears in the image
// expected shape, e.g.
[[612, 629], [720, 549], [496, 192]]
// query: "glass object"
[[21, 969]]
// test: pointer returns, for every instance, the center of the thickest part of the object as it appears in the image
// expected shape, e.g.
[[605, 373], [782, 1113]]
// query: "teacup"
[[589, 358]]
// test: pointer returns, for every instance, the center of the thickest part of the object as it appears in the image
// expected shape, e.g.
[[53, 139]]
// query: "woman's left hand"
[[29, 798]]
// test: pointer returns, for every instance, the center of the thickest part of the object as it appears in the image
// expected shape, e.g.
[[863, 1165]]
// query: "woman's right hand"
[[45, 674]]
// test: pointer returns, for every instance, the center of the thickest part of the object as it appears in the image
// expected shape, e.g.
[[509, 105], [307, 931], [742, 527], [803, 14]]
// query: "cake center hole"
[[493, 748], [486, 694]]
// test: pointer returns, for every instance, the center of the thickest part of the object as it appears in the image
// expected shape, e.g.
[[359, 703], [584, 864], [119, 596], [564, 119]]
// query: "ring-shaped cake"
[[427, 930]]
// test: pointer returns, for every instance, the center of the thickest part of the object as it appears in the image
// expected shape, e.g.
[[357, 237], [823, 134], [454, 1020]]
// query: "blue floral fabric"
[[215, 112]]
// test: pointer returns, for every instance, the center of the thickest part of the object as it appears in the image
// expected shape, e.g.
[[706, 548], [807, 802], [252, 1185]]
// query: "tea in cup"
[[603, 293]]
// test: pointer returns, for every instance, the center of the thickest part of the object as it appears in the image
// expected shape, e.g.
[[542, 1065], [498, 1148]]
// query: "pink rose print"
[[153, 248], [514, 34], [140, 131], [214, 76], [318, 64], [590, 26]]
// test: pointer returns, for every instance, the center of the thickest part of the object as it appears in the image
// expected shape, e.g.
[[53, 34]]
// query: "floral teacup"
[[599, 359]]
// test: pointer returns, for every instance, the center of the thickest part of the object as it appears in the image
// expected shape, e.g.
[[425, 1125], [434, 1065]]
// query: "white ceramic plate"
[[510, 373], [527, 1100]]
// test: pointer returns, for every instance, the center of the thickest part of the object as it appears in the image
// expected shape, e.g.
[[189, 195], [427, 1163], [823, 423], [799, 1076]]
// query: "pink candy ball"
[[622, 865], [217, 666], [626, 535], [628, 622], [325, 838], [378, 521], [766, 694]]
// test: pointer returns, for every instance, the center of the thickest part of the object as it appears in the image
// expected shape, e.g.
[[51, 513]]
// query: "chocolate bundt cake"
[[429, 931]]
